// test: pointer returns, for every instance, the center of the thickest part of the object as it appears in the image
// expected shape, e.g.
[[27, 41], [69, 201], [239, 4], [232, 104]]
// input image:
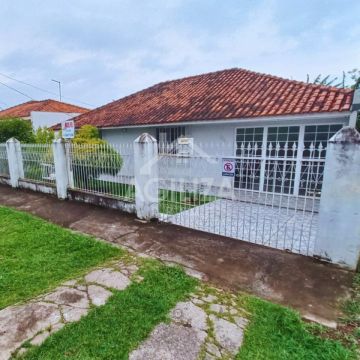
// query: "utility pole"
[[59, 83]]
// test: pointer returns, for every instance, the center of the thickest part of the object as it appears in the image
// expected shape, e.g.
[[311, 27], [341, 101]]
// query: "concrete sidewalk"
[[313, 288]]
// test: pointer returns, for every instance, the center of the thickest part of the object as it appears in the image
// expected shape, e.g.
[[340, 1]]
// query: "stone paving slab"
[[171, 342], [207, 327], [46, 314], [108, 278]]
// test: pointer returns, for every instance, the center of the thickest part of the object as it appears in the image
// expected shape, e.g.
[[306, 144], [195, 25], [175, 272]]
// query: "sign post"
[[228, 167], [68, 133]]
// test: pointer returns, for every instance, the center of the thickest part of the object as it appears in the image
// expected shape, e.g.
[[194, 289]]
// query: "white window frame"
[[263, 157]]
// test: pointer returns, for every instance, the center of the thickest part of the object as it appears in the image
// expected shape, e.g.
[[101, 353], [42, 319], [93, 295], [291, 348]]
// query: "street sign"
[[228, 167], [68, 129]]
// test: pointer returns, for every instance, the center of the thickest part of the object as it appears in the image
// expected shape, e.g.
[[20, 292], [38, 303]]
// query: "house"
[[272, 125], [43, 113]]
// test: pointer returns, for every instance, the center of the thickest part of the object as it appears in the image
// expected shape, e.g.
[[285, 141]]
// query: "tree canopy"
[[18, 128]]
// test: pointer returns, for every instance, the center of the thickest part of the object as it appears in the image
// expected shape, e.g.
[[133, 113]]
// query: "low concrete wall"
[[39, 187], [101, 200], [5, 180]]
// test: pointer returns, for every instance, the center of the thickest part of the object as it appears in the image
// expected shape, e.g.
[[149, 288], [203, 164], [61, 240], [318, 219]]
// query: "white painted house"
[[44, 113], [234, 113]]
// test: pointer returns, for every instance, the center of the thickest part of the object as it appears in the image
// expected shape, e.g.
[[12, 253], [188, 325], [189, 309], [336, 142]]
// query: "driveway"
[[280, 228]]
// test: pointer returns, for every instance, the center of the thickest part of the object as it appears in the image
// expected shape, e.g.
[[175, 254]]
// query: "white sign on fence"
[[68, 129], [228, 167]]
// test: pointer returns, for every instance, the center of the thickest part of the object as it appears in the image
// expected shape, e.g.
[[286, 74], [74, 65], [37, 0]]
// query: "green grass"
[[126, 191], [277, 333], [170, 202], [351, 307], [36, 256], [112, 331]]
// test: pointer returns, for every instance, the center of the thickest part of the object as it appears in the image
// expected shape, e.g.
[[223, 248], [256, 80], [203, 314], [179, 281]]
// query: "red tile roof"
[[227, 94], [24, 110]]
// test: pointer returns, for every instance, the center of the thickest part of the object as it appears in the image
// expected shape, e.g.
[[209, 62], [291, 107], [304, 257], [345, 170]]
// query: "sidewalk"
[[313, 288]]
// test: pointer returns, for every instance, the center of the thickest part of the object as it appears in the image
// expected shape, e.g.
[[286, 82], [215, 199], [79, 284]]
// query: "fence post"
[[146, 177], [16, 170], [338, 237], [61, 169]]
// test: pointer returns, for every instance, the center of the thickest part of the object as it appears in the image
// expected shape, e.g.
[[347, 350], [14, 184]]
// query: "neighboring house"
[[43, 113], [225, 111]]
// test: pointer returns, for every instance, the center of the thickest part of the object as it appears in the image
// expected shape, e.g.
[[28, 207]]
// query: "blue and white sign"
[[228, 167], [68, 129]]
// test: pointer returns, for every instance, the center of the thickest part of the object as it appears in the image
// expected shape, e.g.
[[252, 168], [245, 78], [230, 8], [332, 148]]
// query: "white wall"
[[42, 118], [214, 141]]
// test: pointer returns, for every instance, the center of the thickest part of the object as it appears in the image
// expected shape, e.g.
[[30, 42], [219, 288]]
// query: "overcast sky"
[[104, 50]]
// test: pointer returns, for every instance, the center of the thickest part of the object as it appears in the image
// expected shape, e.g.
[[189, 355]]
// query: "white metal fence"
[[102, 169], [271, 197], [4, 164], [38, 163]]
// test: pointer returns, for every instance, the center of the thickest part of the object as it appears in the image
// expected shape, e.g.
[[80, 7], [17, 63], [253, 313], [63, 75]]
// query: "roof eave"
[[319, 116]]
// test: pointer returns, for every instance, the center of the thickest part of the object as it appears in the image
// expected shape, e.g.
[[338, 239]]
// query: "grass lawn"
[[170, 202], [36, 256], [278, 333], [125, 191], [113, 330]]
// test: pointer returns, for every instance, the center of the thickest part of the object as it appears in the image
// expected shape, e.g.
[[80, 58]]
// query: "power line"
[[18, 91], [44, 90], [28, 96]]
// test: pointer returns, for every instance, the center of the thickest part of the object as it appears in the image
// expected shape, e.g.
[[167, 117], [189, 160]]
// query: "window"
[[248, 144], [316, 135], [279, 176], [312, 171], [167, 138], [281, 167], [249, 141], [247, 174], [280, 137]]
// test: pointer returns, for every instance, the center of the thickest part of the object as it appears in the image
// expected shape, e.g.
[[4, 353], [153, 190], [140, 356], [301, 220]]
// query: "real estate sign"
[[68, 129]]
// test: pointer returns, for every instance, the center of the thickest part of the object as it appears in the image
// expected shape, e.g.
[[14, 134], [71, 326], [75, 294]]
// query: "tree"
[[43, 135], [350, 79], [18, 128]]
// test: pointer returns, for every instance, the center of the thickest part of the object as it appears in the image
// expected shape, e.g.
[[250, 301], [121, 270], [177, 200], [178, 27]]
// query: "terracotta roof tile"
[[24, 110], [227, 94]]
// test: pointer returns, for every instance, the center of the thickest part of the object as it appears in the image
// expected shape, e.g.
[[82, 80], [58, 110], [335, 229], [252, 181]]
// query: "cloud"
[[103, 51]]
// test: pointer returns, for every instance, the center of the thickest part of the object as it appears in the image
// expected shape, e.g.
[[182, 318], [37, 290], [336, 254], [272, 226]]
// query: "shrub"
[[93, 156], [18, 128], [43, 135]]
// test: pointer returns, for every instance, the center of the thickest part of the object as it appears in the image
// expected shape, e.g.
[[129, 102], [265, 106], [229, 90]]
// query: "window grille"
[[167, 139]]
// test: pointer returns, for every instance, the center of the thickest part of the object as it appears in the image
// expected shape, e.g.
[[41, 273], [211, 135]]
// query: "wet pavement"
[[314, 288]]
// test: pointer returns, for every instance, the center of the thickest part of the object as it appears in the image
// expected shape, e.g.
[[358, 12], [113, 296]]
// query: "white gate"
[[272, 198]]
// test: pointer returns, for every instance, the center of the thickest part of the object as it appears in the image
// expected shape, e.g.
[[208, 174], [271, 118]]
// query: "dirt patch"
[[70, 297]]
